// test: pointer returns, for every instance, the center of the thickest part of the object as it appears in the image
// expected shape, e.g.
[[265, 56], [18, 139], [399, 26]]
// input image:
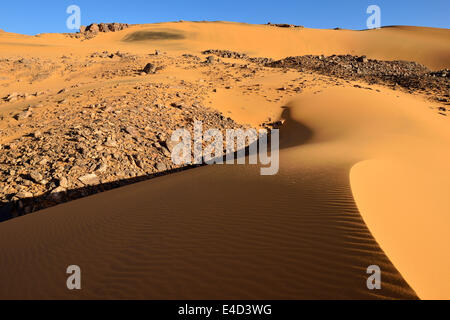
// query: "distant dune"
[[429, 46]]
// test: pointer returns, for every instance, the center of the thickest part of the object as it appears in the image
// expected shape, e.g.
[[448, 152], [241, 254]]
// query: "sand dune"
[[363, 181], [400, 190], [428, 46]]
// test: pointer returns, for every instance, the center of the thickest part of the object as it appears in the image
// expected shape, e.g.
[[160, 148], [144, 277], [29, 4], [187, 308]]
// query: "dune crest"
[[401, 190]]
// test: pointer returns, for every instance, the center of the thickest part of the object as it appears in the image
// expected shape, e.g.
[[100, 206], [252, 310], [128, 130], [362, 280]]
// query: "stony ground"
[[77, 142], [411, 76]]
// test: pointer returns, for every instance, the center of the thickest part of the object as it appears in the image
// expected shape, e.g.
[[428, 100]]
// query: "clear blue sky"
[[32, 17]]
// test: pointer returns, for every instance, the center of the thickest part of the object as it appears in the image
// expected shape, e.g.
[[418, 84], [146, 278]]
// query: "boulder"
[[93, 28]]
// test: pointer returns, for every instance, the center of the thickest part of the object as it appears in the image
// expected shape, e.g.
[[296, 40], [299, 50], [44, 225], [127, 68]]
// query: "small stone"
[[110, 142], [58, 193], [23, 115], [160, 166], [362, 59], [89, 179], [24, 195], [36, 176], [149, 68], [102, 168], [63, 182], [131, 131]]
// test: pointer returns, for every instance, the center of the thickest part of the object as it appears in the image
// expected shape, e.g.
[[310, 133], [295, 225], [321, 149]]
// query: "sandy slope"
[[401, 190], [227, 232]]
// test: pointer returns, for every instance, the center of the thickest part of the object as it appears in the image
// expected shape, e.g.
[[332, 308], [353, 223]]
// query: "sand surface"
[[363, 181]]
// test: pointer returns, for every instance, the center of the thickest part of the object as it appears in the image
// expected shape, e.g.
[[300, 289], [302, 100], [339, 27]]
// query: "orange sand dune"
[[227, 232], [401, 189]]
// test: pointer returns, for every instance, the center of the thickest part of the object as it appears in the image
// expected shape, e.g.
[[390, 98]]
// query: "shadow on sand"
[[292, 134], [153, 35]]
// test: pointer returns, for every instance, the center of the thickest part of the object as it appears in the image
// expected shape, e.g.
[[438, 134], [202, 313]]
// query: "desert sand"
[[363, 174]]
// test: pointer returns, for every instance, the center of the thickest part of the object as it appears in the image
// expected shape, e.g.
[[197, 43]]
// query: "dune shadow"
[[153, 35], [292, 134], [17, 208]]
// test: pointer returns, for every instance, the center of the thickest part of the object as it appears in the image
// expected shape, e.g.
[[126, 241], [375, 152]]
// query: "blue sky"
[[32, 17]]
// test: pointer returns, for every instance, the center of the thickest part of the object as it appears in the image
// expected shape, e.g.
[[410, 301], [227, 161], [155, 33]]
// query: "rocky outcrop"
[[284, 25], [93, 29]]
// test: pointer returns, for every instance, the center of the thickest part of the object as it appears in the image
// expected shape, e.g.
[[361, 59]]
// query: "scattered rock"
[[409, 75]]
